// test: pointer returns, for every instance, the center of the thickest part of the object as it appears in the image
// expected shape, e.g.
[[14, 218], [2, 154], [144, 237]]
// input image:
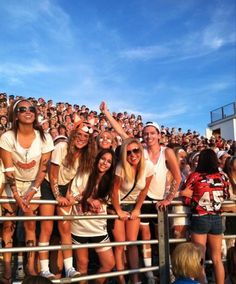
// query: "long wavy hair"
[[228, 169], [12, 117], [86, 154], [104, 186], [127, 171]]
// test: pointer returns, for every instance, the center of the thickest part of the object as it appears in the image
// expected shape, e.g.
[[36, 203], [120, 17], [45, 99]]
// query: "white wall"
[[227, 129]]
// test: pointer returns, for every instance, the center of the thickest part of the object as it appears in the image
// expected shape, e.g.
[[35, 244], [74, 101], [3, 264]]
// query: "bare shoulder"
[[169, 153]]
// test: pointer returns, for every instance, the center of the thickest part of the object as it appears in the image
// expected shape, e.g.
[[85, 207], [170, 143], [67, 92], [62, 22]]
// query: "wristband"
[[7, 170], [35, 188]]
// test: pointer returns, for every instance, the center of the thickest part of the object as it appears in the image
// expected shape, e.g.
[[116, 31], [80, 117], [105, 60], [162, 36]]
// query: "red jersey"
[[209, 192]]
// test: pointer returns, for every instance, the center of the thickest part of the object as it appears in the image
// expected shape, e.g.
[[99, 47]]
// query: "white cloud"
[[14, 69], [40, 18], [217, 33], [145, 53]]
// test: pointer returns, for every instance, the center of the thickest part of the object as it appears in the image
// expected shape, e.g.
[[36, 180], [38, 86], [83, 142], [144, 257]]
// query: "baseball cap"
[[154, 124]]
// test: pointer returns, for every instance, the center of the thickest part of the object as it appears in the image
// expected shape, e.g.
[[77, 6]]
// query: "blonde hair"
[[127, 171], [186, 261]]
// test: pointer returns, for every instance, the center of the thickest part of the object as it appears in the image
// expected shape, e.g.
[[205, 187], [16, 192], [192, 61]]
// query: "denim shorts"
[[206, 224], [127, 207]]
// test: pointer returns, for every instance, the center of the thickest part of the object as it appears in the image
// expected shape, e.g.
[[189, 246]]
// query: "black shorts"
[[46, 191], [91, 240], [149, 209]]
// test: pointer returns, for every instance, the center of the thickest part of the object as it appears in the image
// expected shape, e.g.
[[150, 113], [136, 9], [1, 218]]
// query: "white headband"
[[19, 101]]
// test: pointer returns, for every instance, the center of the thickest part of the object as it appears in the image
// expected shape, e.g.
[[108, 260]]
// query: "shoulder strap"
[[128, 193]]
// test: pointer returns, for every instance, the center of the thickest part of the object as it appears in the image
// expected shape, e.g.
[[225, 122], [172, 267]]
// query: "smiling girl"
[[94, 201], [132, 179], [68, 158], [25, 152]]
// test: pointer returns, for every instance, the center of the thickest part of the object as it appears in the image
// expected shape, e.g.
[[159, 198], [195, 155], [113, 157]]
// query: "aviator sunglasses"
[[23, 109], [133, 151]]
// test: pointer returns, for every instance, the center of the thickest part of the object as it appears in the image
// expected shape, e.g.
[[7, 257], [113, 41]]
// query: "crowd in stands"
[[61, 117], [92, 163]]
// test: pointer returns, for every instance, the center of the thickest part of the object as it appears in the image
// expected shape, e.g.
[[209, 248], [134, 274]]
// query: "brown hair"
[[15, 123], [86, 157]]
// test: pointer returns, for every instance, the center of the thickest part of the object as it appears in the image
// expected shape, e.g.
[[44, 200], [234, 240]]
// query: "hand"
[[123, 215], [28, 195], [62, 201], [161, 205], [94, 204], [103, 107], [21, 203], [134, 214], [186, 193], [71, 199]]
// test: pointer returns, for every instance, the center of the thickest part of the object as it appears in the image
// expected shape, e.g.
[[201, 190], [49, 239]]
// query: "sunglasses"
[[133, 151], [23, 109]]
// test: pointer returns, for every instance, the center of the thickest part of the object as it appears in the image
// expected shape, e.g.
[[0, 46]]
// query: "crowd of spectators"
[[85, 133], [61, 117]]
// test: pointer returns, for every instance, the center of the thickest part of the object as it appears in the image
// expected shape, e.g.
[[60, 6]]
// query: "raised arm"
[[118, 128]]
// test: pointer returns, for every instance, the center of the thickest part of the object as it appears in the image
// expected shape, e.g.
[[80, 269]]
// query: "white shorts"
[[22, 188]]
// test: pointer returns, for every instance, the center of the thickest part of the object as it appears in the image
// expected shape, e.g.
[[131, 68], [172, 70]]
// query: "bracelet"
[[35, 188], [7, 170]]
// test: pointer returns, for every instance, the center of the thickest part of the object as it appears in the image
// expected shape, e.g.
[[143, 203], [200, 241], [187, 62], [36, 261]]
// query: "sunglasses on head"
[[133, 151], [87, 129], [23, 109]]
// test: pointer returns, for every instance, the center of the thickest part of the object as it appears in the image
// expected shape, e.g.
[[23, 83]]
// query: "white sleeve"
[[47, 145], [59, 153], [7, 141]]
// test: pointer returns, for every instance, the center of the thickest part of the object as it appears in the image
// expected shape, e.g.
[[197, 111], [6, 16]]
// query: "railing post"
[[163, 240]]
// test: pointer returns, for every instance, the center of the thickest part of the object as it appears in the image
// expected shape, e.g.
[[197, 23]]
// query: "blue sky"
[[172, 61]]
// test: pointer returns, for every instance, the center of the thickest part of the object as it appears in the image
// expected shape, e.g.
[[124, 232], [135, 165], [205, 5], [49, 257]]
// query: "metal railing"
[[163, 241], [223, 112]]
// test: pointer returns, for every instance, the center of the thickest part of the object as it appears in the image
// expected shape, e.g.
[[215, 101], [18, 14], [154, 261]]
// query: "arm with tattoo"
[[43, 166], [53, 177], [172, 191]]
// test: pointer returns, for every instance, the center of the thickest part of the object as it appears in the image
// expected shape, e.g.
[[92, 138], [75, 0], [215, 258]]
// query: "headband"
[[194, 156], [19, 101]]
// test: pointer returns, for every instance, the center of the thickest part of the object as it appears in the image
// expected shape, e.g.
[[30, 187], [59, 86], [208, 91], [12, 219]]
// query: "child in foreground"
[[187, 263]]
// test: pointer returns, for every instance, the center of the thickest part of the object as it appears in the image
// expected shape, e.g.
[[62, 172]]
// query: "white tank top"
[[157, 186]]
